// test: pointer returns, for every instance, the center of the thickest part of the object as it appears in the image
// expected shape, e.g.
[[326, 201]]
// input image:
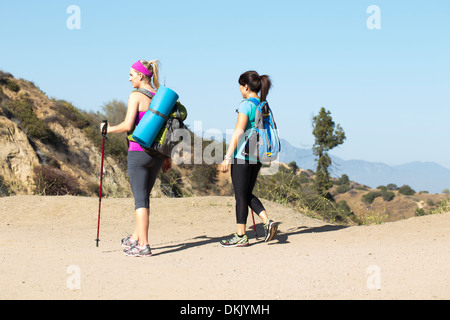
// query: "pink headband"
[[138, 66]]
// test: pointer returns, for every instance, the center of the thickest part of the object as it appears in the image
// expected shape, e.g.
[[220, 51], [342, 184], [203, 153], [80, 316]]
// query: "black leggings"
[[244, 178], [142, 172]]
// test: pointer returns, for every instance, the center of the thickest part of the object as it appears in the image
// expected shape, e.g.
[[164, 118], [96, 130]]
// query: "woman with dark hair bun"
[[244, 171]]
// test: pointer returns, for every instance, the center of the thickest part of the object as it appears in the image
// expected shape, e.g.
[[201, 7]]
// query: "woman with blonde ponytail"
[[153, 67], [244, 171], [142, 168]]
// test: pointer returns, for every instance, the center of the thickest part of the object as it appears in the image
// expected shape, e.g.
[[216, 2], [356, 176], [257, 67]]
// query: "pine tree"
[[327, 136]]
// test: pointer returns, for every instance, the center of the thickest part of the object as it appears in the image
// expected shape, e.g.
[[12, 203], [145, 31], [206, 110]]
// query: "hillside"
[[40, 138], [309, 259], [381, 210], [49, 147]]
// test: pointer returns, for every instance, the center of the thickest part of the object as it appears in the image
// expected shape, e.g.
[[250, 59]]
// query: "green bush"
[[293, 165], [392, 187], [344, 207], [12, 85], [342, 188], [70, 114], [420, 212], [442, 207], [344, 179], [387, 195], [4, 77], [370, 197], [406, 190], [30, 123]]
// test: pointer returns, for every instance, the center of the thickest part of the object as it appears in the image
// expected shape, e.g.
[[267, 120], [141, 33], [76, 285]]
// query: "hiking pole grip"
[[104, 128]]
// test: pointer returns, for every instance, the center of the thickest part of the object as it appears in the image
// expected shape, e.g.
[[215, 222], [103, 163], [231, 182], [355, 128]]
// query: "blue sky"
[[389, 88]]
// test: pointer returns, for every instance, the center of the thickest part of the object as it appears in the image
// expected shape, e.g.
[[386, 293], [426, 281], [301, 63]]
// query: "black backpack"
[[165, 140]]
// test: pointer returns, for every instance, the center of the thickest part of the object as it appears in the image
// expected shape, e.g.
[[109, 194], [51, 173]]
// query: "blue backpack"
[[263, 142]]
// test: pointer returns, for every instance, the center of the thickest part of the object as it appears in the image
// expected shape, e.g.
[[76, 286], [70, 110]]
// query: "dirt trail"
[[48, 252]]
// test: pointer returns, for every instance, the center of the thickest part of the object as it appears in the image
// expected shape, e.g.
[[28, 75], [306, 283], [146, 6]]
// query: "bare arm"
[[241, 124]]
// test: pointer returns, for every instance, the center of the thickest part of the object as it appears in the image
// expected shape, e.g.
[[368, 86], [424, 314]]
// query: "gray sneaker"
[[138, 251], [128, 242], [270, 230], [235, 241]]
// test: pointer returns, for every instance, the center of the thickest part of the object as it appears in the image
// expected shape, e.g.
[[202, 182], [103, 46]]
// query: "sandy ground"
[[48, 252]]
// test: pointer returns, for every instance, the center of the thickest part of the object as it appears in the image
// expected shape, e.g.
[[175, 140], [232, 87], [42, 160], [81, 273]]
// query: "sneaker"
[[235, 241], [128, 242], [138, 251], [270, 230]]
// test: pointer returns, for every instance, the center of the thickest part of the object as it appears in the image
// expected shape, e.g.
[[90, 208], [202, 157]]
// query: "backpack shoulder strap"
[[255, 101], [265, 108], [148, 94], [144, 91]]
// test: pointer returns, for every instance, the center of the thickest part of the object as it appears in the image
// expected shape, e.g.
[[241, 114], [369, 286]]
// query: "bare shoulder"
[[134, 95], [139, 101]]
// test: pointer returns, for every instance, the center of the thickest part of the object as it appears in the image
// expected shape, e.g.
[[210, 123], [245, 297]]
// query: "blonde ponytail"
[[153, 67]]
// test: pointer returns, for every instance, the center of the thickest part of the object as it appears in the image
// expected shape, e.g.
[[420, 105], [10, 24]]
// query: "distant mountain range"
[[421, 176]]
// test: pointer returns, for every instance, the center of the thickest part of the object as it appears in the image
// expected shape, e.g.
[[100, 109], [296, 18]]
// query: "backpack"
[[165, 140], [263, 142]]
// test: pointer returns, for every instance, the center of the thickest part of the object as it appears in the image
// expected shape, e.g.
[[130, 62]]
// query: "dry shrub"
[[55, 182]]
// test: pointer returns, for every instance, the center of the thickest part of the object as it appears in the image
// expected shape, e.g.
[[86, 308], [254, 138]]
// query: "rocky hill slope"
[[39, 138]]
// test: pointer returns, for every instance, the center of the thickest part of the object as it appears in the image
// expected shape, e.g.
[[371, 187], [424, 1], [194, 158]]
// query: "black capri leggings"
[[243, 176], [142, 172]]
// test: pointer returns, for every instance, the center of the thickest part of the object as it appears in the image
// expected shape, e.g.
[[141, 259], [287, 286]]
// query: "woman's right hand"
[[167, 164], [102, 125], [224, 165]]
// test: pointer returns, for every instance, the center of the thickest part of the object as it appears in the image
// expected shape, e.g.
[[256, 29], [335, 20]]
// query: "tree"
[[343, 180], [293, 165], [327, 136], [115, 111]]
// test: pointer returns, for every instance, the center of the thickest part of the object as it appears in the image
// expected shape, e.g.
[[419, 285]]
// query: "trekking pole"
[[254, 226], [104, 130]]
